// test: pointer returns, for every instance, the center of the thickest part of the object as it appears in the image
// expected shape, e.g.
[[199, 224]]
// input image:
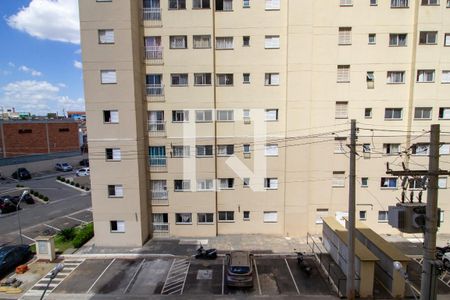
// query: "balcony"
[[155, 92], [152, 17], [154, 55], [160, 197], [160, 229], [158, 164], [157, 128]]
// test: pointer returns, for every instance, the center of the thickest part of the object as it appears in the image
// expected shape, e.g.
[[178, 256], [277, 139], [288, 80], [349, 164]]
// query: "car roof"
[[8, 249], [240, 258]]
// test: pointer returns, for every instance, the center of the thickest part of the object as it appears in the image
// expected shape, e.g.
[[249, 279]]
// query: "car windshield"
[[65, 165], [239, 269]]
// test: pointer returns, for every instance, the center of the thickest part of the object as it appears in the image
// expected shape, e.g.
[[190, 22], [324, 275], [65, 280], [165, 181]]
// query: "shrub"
[[77, 184], [67, 181], [58, 177], [87, 189], [72, 183], [46, 199], [36, 194], [83, 235], [67, 234], [31, 192]]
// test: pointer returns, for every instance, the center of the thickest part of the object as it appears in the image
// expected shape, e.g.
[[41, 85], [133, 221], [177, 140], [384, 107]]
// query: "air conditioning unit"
[[409, 217]]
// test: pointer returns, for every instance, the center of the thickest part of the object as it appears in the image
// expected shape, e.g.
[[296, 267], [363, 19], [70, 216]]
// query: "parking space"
[[85, 216], [150, 277], [204, 277]]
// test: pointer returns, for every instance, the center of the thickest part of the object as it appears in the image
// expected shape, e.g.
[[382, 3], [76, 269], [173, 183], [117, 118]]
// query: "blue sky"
[[40, 56]]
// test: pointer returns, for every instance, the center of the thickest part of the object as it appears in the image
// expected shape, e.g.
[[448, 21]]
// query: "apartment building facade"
[[210, 117]]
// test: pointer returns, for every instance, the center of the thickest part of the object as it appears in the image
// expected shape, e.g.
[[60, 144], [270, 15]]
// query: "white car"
[[83, 172]]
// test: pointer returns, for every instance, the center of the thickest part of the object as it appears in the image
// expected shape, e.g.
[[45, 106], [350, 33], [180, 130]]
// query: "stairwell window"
[[272, 42], [180, 116], [272, 4], [338, 179], [224, 43], [272, 79], [271, 183], [182, 185], [179, 79], [203, 116], [106, 36], [425, 76], [395, 77], [447, 40], [391, 149], [246, 3], [393, 113], [117, 226], [445, 76], [346, 2], [363, 215], [111, 116], [224, 79], [177, 4], [113, 154], [343, 73], [370, 79], [178, 42], [399, 3], [246, 182], [345, 36], [202, 41], [224, 5], [388, 182], [115, 191], [397, 39], [373, 2], [183, 218], [442, 182], [422, 113], [226, 183], [368, 113], [246, 41], [271, 150], [444, 113], [428, 38], [341, 110], [108, 76], [201, 4], [270, 217], [271, 114], [204, 151], [372, 38], [202, 79], [225, 115], [364, 182], [246, 78]]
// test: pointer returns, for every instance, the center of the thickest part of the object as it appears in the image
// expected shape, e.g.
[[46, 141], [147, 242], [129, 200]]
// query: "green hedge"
[[83, 235]]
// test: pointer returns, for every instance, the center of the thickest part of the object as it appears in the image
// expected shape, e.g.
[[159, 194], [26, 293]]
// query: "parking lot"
[[188, 276]]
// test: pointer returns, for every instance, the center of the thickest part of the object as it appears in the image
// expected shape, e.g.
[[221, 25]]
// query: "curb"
[[72, 186]]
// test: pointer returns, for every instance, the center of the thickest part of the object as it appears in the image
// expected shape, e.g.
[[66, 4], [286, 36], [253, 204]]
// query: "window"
[[343, 73], [113, 154], [364, 181], [447, 39], [396, 77], [106, 36], [272, 42], [368, 113], [430, 2], [416, 183], [367, 148], [182, 185], [21, 131], [183, 218], [202, 79], [444, 113], [204, 150], [181, 151], [224, 79], [362, 215], [226, 183], [345, 36], [247, 149], [246, 182], [246, 3], [246, 215], [246, 116], [320, 214], [205, 185], [177, 4], [63, 129], [203, 115], [224, 42], [159, 189], [391, 149], [272, 4], [373, 2], [225, 150], [445, 76], [246, 78], [442, 182], [201, 4], [205, 218], [271, 114], [117, 226], [202, 41], [422, 113], [448, 3], [111, 116], [372, 38], [397, 39], [160, 222], [272, 79], [157, 156], [180, 116], [115, 191], [341, 110], [382, 216], [444, 149], [225, 216], [225, 115], [154, 85], [245, 41], [399, 3], [108, 76], [271, 183], [271, 150], [346, 2], [270, 217], [393, 113], [370, 79], [178, 42], [425, 75], [224, 5], [389, 182], [421, 149], [338, 179], [428, 38], [179, 79], [340, 145]]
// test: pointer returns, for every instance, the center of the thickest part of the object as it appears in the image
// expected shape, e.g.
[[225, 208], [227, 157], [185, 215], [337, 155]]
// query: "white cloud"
[[12, 65], [55, 20], [78, 51], [31, 71], [77, 64], [37, 97]]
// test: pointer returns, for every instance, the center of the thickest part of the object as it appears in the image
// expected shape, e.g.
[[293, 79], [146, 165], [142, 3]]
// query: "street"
[[67, 207]]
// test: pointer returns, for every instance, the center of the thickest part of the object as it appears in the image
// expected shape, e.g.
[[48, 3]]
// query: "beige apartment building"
[[212, 117]]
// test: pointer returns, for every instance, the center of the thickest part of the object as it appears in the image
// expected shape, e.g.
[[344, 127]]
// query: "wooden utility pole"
[[351, 216]]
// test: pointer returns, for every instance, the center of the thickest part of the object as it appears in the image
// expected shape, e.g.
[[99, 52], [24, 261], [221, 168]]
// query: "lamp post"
[[58, 268], [399, 268], [18, 215]]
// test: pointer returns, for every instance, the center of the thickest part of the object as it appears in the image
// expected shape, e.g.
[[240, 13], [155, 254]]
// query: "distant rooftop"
[[67, 120]]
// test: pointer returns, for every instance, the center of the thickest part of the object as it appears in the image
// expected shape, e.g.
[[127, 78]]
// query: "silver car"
[[239, 269]]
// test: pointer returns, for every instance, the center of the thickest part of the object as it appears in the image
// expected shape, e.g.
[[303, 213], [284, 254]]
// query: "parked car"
[[7, 205], [21, 174], [84, 162], [65, 167], [13, 256], [83, 172], [239, 269], [26, 198]]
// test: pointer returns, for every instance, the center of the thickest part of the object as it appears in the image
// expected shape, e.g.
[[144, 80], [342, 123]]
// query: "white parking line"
[[100, 276], [292, 276], [52, 227], [134, 276], [257, 276], [75, 219], [223, 276], [28, 238]]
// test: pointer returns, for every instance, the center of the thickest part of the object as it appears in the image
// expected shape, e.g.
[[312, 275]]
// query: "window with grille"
[[399, 3], [338, 179], [428, 38], [341, 110], [202, 41], [422, 113], [272, 42], [202, 79], [397, 39], [183, 218], [425, 76], [396, 77], [182, 185], [393, 113], [224, 79], [178, 42], [272, 79], [343, 73], [346, 2], [179, 79], [224, 42], [345, 36]]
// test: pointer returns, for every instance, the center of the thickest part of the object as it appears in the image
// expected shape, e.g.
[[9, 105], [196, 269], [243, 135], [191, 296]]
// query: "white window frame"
[[185, 185], [178, 42], [185, 218], [423, 113], [344, 36], [372, 38], [442, 182], [224, 43], [204, 116], [224, 183], [272, 4], [444, 113], [225, 150], [120, 226], [202, 41], [115, 154], [113, 117], [390, 113], [341, 111], [396, 41], [225, 79], [428, 38], [108, 77], [385, 183], [272, 42], [390, 148], [270, 217], [205, 185], [343, 73], [271, 115], [225, 115], [118, 190], [198, 4], [445, 78], [180, 116], [202, 79], [396, 77], [385, 215], [180, 151], [272, 79], [183, 79], [399, 3], [338, 179], [106, 36], [271, 183], [246, 78], [425, 76], [362, 215], [229, 216], [340, 145], [447, 40], [368, 113], [246, 149], [201, 150], [346, 2], [364, 182], [202, 218], [271, 150]]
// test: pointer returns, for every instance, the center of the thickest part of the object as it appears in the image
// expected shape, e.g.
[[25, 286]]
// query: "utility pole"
[[428, 285], [351, 216]]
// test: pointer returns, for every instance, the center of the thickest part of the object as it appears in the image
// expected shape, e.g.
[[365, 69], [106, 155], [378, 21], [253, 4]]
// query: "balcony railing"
[[157, 128], [158, 164], [161, 227], [155, 92], [159, 195], [154, 55], [152, 17]]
